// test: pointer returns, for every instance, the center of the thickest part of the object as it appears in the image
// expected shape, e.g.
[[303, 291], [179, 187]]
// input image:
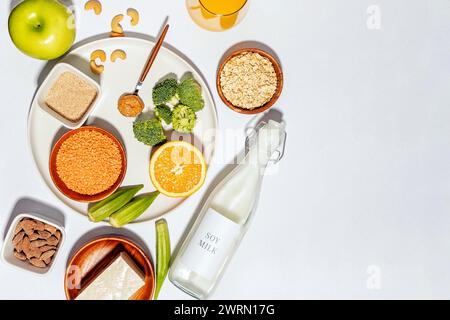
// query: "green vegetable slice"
[[111, 204], [132, 210], [162, 253]]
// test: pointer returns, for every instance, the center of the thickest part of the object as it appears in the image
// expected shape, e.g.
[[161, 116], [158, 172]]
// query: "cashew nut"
[[134, 15], [94, 5], [115, 34], [116, 28], [118, 54], [98, 54], [96, 67]]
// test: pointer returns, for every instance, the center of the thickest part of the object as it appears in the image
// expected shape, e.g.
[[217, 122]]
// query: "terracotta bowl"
[[61, 186], [94, 257], [278, 72]]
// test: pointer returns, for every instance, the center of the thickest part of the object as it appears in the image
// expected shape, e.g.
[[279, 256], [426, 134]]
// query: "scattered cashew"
[[97, 68], [94, 5], [134, 15], [116, 28], [118, 54], [98, 54], [115, 34]]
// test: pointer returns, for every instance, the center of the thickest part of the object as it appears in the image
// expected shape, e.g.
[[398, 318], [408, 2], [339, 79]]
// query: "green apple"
[[42, 29]]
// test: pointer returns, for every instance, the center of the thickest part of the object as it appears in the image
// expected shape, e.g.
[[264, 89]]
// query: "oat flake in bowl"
[[248, 80]]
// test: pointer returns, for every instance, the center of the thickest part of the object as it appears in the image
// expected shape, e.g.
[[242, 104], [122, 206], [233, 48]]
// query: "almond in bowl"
[[32, 243]]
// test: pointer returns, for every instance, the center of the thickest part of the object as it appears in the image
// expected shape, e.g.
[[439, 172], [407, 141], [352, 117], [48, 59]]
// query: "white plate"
[[120, 77]]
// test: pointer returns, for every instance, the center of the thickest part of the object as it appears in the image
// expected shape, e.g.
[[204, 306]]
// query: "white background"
[[364, 188]]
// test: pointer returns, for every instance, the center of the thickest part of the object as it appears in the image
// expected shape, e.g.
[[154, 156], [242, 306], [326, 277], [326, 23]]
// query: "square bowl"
[[52, 77], [7, 254]]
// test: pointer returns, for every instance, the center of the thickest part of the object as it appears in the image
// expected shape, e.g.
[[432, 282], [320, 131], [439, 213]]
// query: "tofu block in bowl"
[[120, 280]]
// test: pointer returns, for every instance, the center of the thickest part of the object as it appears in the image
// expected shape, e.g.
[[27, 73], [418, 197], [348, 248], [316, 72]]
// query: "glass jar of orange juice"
[[217, 15]]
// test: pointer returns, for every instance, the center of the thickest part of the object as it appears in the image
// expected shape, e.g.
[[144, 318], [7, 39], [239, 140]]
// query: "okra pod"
[[113, 203], [162, 253], [132, 210]]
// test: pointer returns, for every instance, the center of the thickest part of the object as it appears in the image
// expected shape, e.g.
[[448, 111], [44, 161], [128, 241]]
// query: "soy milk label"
[[211, 244]]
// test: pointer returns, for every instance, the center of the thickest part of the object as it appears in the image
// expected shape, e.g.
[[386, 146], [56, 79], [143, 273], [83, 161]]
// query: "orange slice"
[[177, 169], [206, 14], [227, 22]]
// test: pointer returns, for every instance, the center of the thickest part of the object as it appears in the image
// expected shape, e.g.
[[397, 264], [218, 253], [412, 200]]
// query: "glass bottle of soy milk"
[[224, 219]]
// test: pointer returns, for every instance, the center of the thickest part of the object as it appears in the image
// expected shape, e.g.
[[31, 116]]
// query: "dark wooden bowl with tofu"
[[106, 258]]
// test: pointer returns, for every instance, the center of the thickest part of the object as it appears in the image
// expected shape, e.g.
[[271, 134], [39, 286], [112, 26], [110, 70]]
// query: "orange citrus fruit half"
[[177, 169]]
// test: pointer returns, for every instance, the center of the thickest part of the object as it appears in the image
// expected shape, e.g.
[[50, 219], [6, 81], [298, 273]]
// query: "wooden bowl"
[[61, 186], [278, 72], [94, 256]]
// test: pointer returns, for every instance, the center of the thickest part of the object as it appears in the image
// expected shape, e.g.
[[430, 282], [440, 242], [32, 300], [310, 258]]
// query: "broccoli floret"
[[163, 113], [149, 132], [190, 94], [183, 118], [165, 92]]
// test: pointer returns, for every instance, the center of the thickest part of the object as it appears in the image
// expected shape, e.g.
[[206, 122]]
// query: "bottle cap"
[[269, 139]]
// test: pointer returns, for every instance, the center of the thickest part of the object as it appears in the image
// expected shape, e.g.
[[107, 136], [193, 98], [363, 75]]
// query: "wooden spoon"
[[130, 104]]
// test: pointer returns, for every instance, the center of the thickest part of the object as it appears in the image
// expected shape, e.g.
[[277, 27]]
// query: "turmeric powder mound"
[[130, 105]]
